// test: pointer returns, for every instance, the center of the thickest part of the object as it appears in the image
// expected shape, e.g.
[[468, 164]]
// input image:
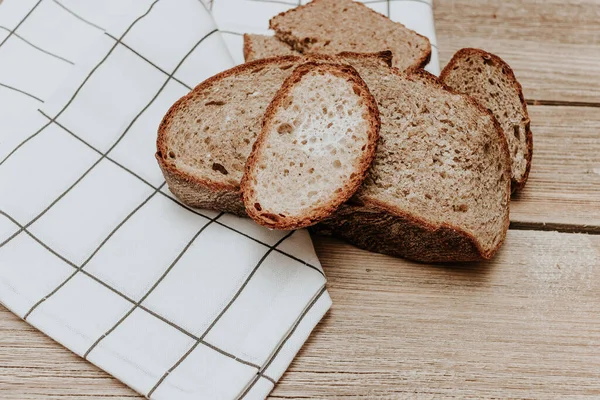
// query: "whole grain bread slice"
[[439, 187], [317, 142], [263, 46], [332, 26], [491, 81], [205, 138]]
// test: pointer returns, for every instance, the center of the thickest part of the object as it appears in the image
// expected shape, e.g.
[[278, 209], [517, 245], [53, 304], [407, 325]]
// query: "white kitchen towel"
[[236, 17], [94, 250]]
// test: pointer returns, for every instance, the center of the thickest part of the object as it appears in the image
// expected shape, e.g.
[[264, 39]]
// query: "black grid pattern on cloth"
[[79, 17], [23, 228], [66, 106], [218, 317], [195, 211], [136, 304], [22, 92], [36, 47], [13, 32], [283, 342], [119, 41]]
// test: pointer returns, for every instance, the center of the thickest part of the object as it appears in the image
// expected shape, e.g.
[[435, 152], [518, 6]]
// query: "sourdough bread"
[[262, 46], [206, 137], [317, 142], [439, 187], [488, 79], [332, 26]]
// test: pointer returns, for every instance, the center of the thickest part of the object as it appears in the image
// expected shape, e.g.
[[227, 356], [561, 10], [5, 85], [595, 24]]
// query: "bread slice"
[[262, 46], [439, 187], [332, 26], [317, 142], [490, 80], [206, 137]]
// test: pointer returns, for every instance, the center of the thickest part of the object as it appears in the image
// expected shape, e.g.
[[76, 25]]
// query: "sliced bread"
[[488, 79], [262, 46], [439, 187], [206, 137], [332, 26], [317, 142]]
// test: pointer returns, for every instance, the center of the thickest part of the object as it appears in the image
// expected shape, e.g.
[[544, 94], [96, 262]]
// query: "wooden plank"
[[526, 325], [563, 191], [553, 47]]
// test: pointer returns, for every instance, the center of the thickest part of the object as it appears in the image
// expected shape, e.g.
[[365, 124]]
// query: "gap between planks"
[[554, 227], [532, 102]]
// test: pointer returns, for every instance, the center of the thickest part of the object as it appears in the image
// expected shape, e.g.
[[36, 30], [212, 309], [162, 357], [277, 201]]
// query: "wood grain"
[[563, 191], [553, 46], [526, 325]]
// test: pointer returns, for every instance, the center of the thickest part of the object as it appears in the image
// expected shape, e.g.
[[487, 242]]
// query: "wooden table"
[[526, 325]]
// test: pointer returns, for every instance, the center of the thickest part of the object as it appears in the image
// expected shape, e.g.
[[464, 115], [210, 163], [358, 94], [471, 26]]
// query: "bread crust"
[[270, 220], [248, 49], [205, 193], [286, 36], [516, 184], [376, 226], [191, 190], [254, 43]]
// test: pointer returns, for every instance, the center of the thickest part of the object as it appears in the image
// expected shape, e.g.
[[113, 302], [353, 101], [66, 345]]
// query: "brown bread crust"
[[201, 194], [383, 228], [516, 184], [377, 227], [254, 44], [287, 37], [205, 193], [263, 217], [364, 222], [247, 47]]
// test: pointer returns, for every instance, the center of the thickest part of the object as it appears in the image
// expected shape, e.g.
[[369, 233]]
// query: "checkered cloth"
[[94, 250]]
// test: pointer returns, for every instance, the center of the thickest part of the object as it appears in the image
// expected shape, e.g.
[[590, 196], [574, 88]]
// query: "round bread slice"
[[490, 81], [439, 187], [317, 142], [205, 138]]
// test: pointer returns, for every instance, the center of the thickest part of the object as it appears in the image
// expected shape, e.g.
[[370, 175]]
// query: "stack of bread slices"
[[338, 127]]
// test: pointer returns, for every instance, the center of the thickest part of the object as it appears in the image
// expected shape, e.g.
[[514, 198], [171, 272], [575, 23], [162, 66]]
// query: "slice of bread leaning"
[[332, 26], [263, 46], [439, 187], [206, 137], [317, 142], [488, 79]]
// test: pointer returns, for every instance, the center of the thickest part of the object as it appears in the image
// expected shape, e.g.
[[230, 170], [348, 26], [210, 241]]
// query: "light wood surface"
[[563, 190], [552, 45], [526, 325], [523, 326]]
